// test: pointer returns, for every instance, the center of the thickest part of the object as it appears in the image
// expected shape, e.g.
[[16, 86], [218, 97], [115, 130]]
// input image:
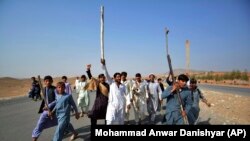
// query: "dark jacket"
[[51, 97]]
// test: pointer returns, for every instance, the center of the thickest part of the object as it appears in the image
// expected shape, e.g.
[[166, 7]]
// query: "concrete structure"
[[187, 56]]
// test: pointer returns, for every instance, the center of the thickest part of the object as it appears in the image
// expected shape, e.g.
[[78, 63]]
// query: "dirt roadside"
[[226, 109]]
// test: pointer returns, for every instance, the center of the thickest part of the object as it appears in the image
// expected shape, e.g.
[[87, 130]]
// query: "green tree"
[[244, 76], [226, 76], [217, 78], [209, 75], [237, 74], [232, 75]]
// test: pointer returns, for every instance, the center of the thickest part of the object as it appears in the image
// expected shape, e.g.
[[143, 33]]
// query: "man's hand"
[[50, 114], [208, 104], [45, 108], [176, 87], [133, 91], [103, 61], [183, 113], [128, 106], [161, 101], [88, 66], [131, 100]]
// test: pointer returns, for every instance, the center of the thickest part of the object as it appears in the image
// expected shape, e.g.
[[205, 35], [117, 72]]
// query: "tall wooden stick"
[[102, 32], [172, 74], [43, 92], [44, 96]]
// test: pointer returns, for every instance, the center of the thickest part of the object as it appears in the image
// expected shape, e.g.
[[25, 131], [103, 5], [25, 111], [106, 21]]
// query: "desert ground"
[[11, 87], [226, 108]]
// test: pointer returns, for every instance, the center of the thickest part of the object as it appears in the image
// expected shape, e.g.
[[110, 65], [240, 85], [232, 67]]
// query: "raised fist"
[[88, 66], [103, 61]]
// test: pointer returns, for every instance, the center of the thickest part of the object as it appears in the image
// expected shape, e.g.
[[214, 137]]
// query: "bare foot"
[[74, 136], [34, 139], [82, 114]]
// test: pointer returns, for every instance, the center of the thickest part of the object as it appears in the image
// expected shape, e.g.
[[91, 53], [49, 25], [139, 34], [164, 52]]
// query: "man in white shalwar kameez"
[[128, 85], [117, 99], [76, 82], [83, 96], [139, 96], [154, 98]]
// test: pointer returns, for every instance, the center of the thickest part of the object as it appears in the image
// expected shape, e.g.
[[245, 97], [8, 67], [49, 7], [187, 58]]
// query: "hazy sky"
[[59, 37]]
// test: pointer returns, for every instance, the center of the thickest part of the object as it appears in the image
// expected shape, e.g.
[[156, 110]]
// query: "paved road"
[[19, 116], [226, 89]]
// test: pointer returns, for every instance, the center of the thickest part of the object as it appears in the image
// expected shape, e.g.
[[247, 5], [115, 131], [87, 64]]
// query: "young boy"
[[68, 89], [44, 120], [62, 109], [196, 95], [174, 115], [35, 90]]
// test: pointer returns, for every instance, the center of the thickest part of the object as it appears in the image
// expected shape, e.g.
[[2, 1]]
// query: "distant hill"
[[8, 78], [181, 71]]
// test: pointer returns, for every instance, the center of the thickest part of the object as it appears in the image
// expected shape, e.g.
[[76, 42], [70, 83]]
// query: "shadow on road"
[[146, 121], [206, 122], [83, 133], [86, 133]]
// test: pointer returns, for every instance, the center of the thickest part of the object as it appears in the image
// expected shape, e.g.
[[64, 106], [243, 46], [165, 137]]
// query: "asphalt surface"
[[226, 89], [18, 117]]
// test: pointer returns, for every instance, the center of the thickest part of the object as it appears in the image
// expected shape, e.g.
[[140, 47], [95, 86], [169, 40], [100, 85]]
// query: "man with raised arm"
[[117, 98], [174, 114]]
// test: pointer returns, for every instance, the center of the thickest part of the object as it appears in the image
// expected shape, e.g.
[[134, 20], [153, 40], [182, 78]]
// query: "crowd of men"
[[116, 98]]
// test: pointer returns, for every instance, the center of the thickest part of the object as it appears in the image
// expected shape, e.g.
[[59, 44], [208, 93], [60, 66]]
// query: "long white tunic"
[[128, 85], [83, 97], [140, 95], [155, 92], [76, 82], [116, 101]]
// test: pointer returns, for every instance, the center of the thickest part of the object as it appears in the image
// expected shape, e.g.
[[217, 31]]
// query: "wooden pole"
[[102, 32], [166, 31], [172, 74], [44, 96], [43, 92]]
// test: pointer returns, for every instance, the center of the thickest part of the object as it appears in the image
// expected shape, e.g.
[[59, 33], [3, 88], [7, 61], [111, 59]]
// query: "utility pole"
[[187, 57]]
